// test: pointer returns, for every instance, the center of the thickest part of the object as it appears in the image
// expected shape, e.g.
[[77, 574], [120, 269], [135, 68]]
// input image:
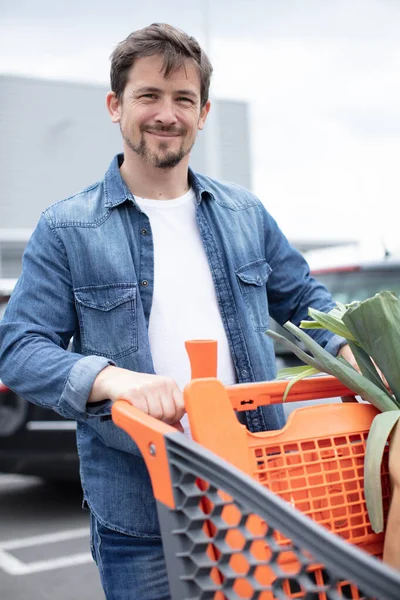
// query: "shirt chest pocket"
[[108, 319], [252, 279]]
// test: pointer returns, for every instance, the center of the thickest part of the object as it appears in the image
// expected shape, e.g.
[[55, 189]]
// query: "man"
[[130, 268]]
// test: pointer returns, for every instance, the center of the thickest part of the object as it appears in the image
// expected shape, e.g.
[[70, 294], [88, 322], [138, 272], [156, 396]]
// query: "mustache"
[[164, 129]]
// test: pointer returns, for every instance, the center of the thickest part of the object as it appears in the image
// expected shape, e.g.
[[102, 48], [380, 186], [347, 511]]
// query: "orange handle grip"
[[203, 358], [149, 435], [247, 396]]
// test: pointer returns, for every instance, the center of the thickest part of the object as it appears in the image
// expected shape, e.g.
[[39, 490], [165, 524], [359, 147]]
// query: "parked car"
[[350, 272], [36, 441]]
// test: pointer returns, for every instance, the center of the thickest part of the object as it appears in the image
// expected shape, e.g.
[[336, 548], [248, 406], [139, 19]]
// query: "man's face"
[[159, 118]]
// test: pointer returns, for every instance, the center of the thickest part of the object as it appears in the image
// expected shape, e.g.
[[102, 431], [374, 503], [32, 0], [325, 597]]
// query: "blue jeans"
[[130, 568]]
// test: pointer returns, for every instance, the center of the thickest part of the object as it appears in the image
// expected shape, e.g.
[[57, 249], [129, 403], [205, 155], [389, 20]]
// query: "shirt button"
[[145, 283], [143, 231], [245, 373]]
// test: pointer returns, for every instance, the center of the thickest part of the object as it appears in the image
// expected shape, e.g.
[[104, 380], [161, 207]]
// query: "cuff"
[[335, 343], [73, 400]]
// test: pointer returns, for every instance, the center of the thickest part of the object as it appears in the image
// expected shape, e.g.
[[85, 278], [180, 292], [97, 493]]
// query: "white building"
[[56, 138]]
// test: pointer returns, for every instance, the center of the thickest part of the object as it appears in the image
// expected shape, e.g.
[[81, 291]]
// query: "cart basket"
[[315, 462], [226, 537]]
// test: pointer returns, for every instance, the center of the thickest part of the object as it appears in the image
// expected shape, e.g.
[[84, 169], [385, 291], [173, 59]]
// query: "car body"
[[350, 273], [34, 440], [353, 273], [37, 441]]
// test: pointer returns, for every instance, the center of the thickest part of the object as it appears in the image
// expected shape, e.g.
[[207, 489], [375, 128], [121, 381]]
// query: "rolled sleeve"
[[73, 401]]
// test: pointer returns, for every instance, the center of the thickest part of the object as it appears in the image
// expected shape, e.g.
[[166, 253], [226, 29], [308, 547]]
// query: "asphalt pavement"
[[44, 542]]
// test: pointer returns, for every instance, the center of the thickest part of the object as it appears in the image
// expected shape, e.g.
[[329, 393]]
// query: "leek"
[[372, 329]]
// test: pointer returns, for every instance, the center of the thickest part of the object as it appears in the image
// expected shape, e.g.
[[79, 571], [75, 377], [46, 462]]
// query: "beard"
[[164, 158]]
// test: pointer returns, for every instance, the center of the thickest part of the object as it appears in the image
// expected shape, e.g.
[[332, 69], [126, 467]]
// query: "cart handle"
[[149, 434], [247, 396]]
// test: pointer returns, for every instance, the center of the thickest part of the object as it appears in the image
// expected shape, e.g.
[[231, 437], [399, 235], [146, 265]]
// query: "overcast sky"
[[322, 79]]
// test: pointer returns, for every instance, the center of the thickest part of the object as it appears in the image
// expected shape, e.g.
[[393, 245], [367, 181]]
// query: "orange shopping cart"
[[271, 515]]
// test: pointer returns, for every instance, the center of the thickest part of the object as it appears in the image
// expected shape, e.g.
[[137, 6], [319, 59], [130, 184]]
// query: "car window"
[[2, 308], [4, 298], [347, 286]]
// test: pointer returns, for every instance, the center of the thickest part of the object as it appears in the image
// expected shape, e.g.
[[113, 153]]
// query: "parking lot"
[[44, 542]]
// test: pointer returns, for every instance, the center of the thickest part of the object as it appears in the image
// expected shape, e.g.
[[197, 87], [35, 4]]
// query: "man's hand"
[[155, 395], [349, 356]]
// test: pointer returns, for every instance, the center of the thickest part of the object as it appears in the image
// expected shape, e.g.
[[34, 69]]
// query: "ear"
[[113, 107], [203, 114]]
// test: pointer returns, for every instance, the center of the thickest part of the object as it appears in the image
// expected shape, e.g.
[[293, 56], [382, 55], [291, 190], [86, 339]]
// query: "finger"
[[349, 399], [382, 376], [156, 404], [139, 401], [178, 425], [172, 399], [169, 408], [164, 393], [385, 382], [178, 402]]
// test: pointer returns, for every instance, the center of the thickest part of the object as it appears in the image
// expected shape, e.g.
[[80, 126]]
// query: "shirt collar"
[[116, 191]]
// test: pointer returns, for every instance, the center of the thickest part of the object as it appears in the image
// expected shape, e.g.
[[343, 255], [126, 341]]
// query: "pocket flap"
[[105, 297], [254, 273]]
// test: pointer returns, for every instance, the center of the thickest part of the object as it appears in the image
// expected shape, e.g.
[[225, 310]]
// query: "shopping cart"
[[247, 515]]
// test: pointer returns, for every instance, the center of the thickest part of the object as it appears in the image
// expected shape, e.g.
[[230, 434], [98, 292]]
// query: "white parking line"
[[15, 479], [51, 425], [47, 538], [13, 566]]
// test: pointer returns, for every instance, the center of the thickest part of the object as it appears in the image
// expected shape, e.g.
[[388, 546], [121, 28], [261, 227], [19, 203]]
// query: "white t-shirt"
[[185, 305]]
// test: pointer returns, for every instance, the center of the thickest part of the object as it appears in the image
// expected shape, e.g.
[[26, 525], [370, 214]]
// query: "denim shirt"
[[88, 274]]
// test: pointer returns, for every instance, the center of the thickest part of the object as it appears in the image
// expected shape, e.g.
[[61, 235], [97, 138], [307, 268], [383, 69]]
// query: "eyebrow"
[[150, 89]]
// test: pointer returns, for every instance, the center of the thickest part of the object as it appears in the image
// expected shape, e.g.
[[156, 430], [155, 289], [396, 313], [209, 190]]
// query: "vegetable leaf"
[[346, 374], [375, 324], [381, 428], [301, 374]]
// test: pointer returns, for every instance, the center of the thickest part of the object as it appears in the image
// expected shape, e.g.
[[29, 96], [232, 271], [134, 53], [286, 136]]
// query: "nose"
[[166, 114]]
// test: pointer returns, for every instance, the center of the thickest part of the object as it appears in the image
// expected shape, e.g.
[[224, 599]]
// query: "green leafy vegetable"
[[372, 329]]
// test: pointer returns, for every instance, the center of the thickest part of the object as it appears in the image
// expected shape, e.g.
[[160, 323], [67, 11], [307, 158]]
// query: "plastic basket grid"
[[324, 478], [224, 544], [315, 462]]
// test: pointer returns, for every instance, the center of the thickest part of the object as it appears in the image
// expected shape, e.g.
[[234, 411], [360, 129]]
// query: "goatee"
[[168, 159]]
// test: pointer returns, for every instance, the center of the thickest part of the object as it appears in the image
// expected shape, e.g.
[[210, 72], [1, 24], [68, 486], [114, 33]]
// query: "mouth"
[[164, 134]]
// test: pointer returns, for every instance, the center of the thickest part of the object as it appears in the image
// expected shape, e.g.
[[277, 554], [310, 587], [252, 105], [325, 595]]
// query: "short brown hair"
[[159, 38]]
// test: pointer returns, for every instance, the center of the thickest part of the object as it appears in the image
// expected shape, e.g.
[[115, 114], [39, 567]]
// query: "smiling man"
[[159, 114], [130, 268]]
